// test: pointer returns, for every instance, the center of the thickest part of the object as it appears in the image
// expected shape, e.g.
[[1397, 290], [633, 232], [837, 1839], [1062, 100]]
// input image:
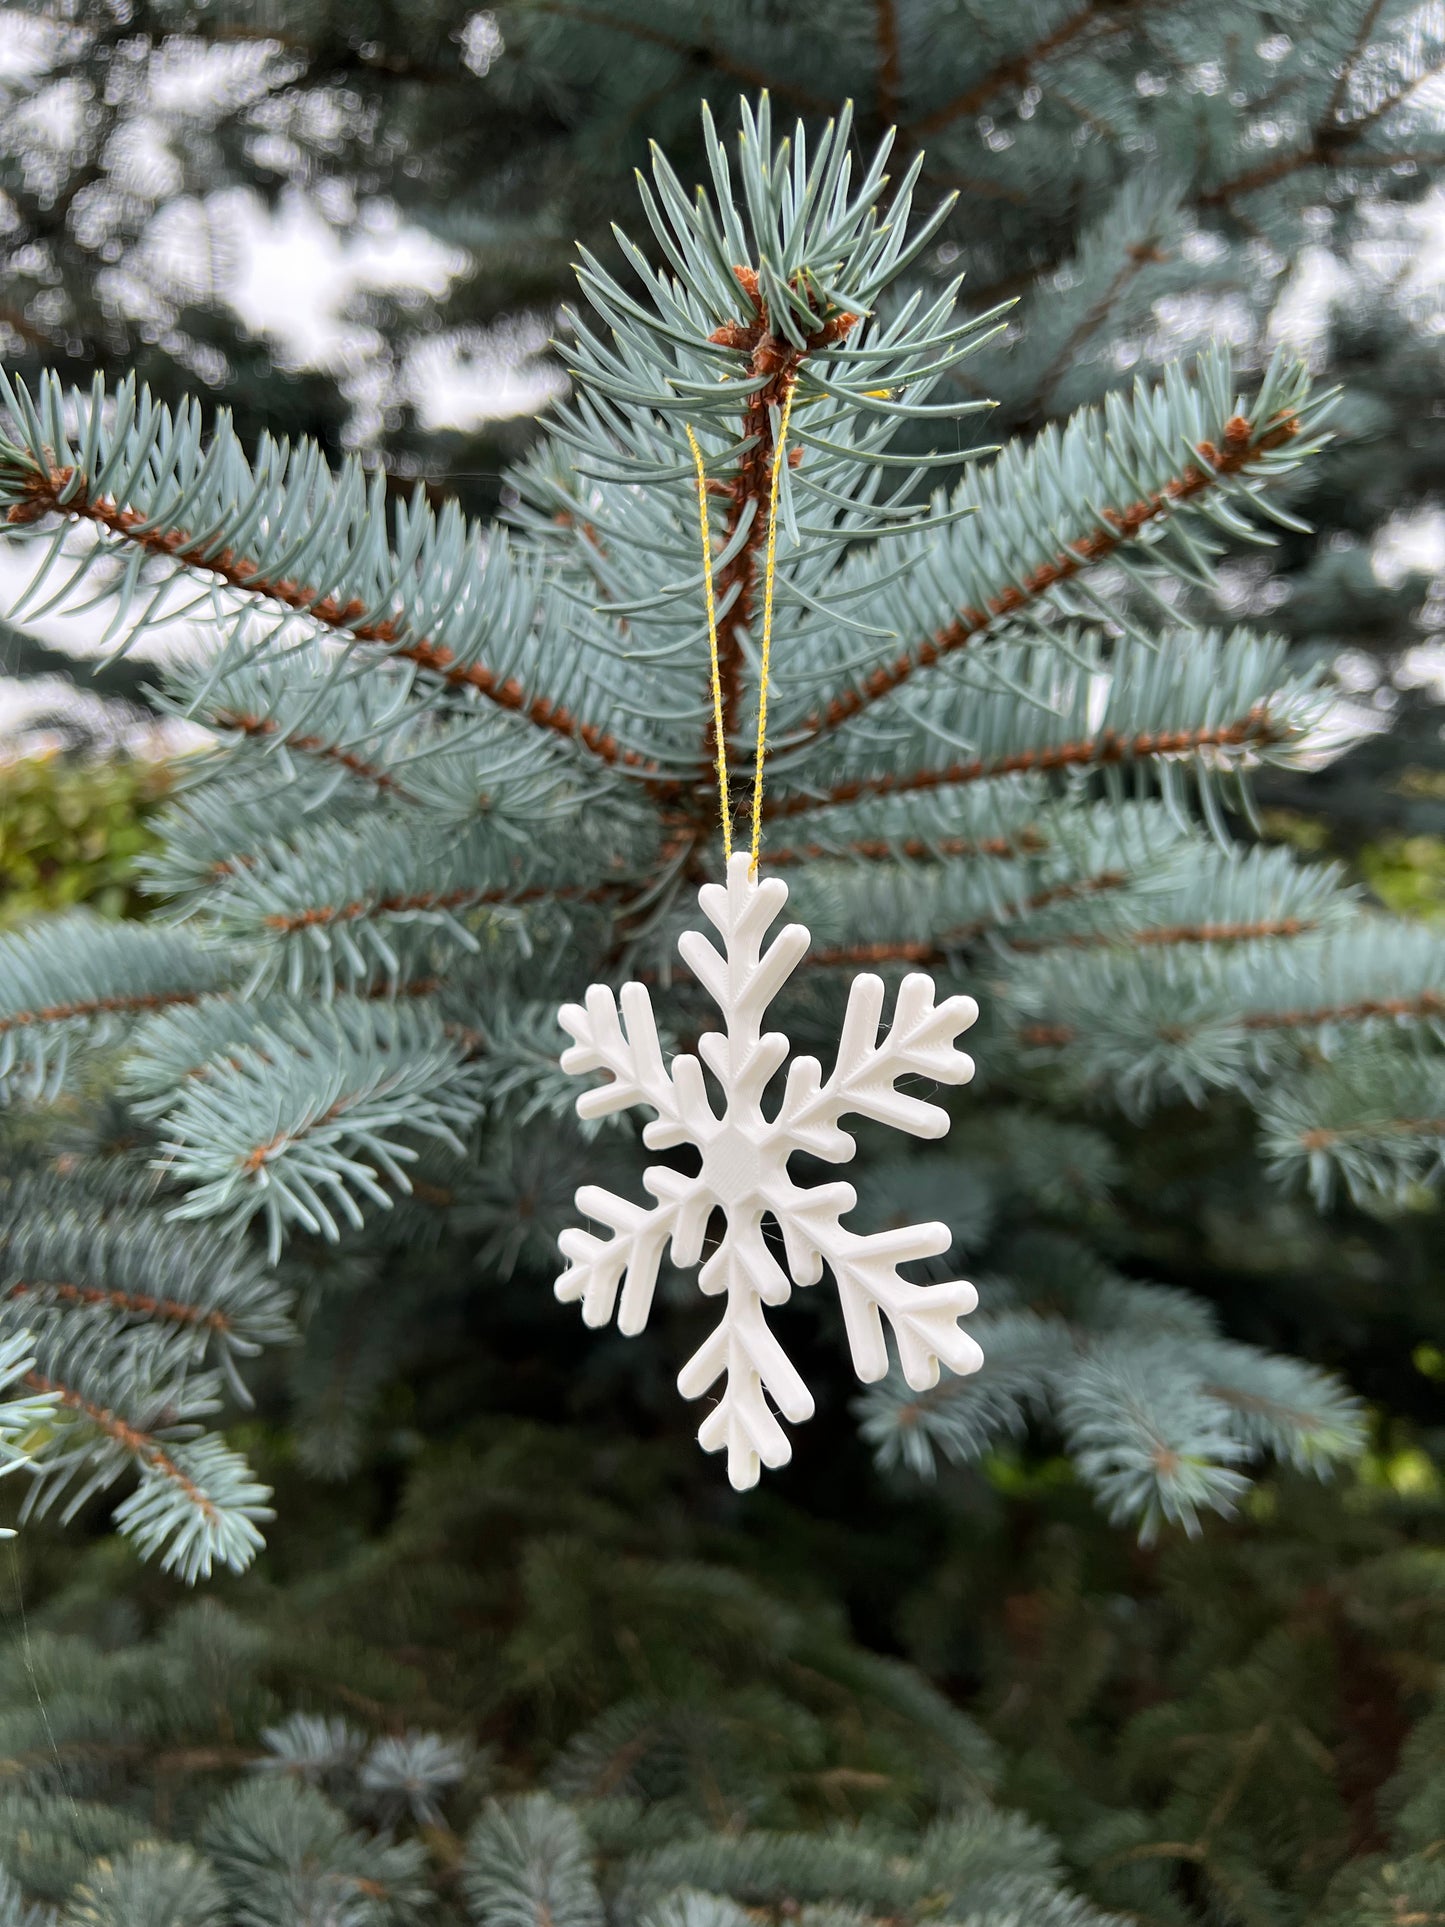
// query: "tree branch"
[[1351, 61], [139, 1444], [750, 77], [1166, 935], [890, 64], [248, 725], [1326, 149], [1014, 71], [750, 491], [466, 897], [1140, 256], [1242, 445], [100, 1007], [44, 491], [1323, 1136], [1429, 1003], [1024, 842], [938, 951]]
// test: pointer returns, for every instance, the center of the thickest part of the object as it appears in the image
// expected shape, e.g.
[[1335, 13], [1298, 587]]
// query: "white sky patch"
[[1423, 667], [492, 376], [79, 631], [482, 41], [1427, 226], [31, 710], [1301, 316], [26, 46], [294, 274], [27, 705], [1408, 544]]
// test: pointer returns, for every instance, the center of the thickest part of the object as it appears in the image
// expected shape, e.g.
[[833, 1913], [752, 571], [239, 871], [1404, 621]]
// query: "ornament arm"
[[634, 1058], [924, 1318], [743, 1352], [631, 1258], [918, 1043]]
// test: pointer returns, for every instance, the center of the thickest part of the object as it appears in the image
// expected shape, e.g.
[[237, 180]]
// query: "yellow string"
[[769, 575], [769, 569], [717, 701]]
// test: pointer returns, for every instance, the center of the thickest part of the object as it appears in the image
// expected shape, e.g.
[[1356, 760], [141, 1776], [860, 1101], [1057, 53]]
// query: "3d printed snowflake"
[[745, 1172]]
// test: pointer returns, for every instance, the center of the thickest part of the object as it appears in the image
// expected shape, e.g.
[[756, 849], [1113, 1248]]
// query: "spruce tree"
[[458, 772]]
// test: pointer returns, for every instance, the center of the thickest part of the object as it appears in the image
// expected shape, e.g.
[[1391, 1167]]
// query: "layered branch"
[[1372, 1123], [436, 596], [196, 1502], [72, 979], [299, 1123], [1163, 1023], [73, 1263], [1196, 704], [1125, 878], [335, 741], [345, 899], [1161, 1415], [1039, 518], [1010, 818]]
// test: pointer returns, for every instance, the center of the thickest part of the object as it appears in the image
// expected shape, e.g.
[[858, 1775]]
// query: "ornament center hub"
[[732, 1166]]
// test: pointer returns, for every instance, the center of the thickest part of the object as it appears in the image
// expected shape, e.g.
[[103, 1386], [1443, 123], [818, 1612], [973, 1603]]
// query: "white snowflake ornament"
[[745, 1172]]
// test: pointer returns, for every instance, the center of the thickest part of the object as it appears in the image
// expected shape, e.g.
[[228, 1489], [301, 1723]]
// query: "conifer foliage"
[[441, 1724], [459, 772], [763, 1759]]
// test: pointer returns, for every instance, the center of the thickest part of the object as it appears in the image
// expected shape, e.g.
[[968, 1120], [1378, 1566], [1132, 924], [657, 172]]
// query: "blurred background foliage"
[[71, 829]]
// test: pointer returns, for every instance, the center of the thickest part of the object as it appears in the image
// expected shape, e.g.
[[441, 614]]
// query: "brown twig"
[[1429, 1003], [1168, 934], [1025, 842], [777, 361], [1014, 71], [1258, 727], [937, 951], [140, 1304], [1327, 153], [248, 725], [1323, 1136], [890, 63], [1327, 149], [319, 915], [1139, 256], [99, 1007], [691, 51], [1347, 66]]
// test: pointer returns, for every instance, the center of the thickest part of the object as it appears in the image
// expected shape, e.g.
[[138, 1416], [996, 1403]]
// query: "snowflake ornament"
[[745, 1172]]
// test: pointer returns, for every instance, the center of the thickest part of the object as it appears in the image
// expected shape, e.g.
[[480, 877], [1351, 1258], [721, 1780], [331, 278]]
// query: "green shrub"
[[70, 832]]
